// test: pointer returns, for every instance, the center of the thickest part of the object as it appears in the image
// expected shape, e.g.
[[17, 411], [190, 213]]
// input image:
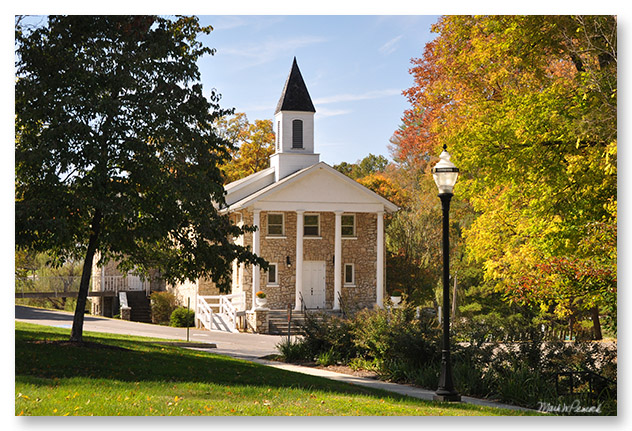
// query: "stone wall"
[[360, 251]]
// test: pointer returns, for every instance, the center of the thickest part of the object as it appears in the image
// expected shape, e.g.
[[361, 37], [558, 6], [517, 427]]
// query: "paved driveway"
[[245, 346]]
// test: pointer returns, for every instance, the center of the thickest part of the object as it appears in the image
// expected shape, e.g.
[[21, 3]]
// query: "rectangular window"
[[273, 275], [311, 225], [278, 136], [349, 273], [348, 225], [275, 224]]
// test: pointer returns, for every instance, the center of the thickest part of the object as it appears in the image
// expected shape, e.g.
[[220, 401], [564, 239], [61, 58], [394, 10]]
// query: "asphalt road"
[[240, 345]]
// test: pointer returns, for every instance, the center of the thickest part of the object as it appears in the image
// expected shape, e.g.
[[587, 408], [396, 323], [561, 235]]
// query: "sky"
[[355, 68]]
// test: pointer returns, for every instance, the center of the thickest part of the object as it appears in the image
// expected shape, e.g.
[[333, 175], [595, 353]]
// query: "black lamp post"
[[445, 175]]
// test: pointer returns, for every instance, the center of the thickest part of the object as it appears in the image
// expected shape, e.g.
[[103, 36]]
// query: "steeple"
[[295, 96], [294, 126]]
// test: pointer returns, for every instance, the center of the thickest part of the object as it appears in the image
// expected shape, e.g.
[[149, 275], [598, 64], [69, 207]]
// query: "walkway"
[[251, 347]]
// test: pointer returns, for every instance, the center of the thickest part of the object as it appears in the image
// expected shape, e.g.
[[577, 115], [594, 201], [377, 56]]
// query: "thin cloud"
[[391, 45], [324, 112], [375, 94], [264, 52]]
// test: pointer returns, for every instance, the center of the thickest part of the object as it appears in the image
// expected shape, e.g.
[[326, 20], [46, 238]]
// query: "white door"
[[314, 284]]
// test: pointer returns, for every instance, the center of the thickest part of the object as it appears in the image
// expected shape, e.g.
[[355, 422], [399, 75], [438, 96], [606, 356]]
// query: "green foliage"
[[162, 306], [327, 358], [292, 350], [324, 333], [182, 317], [113, 139], [369, 165], [396, 336], [136, 376]]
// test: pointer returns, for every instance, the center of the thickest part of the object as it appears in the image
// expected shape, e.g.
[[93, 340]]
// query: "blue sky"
[[355, 68]]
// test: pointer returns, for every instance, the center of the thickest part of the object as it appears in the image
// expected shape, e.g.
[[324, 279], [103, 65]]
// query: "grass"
[[123, 375]]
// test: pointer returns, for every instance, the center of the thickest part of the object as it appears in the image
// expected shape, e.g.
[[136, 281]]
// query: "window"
[[311, 225], [297, 133], [273, 275], [275, 224], [278, 136], [349, 273], [348, 225]]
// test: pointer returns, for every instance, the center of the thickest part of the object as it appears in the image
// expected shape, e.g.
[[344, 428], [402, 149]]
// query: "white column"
[[255, 248], [299, 258], [338, 260], [380, 260]]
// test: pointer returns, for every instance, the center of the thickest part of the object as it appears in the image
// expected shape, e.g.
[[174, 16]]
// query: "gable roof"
[[352, 187], [295, 96]]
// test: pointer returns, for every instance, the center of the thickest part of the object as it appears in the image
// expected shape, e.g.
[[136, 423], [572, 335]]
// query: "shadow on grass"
[[42, 354]]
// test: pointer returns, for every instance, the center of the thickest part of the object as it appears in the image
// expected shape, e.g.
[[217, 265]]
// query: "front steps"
[[140, 306], [278, 321]]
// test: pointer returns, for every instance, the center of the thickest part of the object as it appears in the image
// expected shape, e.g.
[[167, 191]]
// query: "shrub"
[[396, 337], [182, 317], [323, 333], [162, 305], [327, 358], [292, 351]]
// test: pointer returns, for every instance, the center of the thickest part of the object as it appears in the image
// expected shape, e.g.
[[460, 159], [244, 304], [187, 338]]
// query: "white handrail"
[[116, 283], [226, 305], [204, 313]]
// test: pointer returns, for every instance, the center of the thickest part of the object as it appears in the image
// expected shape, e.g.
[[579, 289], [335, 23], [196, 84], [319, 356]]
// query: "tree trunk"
[[596, 324], [76, 334]]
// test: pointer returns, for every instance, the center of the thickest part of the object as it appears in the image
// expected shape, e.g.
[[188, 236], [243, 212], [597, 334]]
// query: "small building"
[[321, 232]]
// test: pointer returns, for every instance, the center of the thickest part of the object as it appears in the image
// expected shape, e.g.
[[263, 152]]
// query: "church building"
[[321, 232]]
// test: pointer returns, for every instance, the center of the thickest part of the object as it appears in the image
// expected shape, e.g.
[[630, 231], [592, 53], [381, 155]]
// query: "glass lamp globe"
[[445, 173]]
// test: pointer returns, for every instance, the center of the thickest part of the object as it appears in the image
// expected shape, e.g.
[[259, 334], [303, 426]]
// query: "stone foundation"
[[257, 321]]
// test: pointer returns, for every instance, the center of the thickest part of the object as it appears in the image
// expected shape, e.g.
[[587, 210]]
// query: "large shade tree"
[[116, 150]]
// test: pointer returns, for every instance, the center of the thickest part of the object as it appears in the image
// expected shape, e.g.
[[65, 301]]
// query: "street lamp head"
[[445, 173]]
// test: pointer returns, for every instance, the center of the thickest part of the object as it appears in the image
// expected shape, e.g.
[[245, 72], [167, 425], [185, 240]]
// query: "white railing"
[[204, 313], [116, 283], [228, 306]]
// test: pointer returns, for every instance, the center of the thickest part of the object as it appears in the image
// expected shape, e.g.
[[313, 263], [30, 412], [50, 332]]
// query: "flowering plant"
[[260, 294]]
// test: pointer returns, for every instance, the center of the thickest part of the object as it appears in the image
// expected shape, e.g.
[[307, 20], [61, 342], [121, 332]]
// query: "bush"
[[292, 351], [182, 317], [162, 305], [396, 337], [324, 333]]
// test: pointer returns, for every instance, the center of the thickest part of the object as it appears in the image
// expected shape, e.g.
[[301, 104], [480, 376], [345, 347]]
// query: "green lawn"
[[120, 375]]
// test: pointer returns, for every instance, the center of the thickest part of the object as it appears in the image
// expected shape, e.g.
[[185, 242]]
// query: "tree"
[[254, 144], [116, 150], [527, 107], [369, 165]]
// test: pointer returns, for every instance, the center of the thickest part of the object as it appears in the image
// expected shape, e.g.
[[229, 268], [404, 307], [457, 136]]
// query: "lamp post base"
[[447, 397]]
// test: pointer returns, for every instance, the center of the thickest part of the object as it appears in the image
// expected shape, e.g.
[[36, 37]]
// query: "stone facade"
[[359, 250], [257, 321]]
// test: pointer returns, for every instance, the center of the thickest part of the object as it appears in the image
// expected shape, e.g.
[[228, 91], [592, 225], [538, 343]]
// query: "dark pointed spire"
[[295, 96]]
